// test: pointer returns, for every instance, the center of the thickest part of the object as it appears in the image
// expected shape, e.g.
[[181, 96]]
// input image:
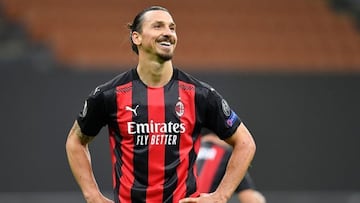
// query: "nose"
[[169, 31]]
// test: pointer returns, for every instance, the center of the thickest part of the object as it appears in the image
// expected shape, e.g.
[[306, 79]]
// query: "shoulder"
[[112, 84], [190, 79]]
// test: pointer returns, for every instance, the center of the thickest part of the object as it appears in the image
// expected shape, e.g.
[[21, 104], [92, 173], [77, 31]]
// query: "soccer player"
[[154, 114], [211, 164]]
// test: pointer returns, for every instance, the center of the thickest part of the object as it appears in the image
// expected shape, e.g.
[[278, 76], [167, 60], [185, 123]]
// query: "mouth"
[[165, 43]]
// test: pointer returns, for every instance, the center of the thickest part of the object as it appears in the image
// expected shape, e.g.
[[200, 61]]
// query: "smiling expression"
[[158, 35]]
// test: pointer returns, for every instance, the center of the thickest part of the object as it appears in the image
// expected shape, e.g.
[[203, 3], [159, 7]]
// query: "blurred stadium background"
[[290, 68]]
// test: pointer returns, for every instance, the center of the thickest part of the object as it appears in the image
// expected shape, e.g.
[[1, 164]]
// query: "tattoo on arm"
[[84, 139]]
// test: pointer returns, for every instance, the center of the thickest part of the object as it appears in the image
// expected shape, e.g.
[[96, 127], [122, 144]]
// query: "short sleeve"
[[220, 117], [93, 116]]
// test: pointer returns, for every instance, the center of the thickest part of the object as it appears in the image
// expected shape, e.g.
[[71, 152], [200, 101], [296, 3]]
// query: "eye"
[[157, 26], [172, 27]]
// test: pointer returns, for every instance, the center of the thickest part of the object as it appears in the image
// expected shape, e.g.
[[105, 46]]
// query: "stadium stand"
[[352, 7], [18, 50], [278, 35]]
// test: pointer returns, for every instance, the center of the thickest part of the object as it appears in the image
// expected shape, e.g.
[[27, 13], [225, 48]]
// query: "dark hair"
[[136, 25]]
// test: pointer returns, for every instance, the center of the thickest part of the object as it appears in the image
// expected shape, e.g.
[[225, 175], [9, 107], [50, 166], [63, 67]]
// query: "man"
[[154, 114], [211, 164]]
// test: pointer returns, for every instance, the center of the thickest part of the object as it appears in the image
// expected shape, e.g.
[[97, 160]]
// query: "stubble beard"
[[165, 57]]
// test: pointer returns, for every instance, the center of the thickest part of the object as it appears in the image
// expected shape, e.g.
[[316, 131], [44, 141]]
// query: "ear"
[[136, 38]]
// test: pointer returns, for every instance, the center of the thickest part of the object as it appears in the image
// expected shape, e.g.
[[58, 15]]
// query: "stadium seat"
[[239, 34]]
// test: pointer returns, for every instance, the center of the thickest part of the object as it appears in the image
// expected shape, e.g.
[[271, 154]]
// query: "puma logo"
[[128, 108]]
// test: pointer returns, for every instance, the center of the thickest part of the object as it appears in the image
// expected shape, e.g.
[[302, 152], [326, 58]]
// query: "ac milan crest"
[[179, 108]]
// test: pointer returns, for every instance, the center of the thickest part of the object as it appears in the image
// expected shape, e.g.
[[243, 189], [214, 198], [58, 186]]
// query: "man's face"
[[158, 37]]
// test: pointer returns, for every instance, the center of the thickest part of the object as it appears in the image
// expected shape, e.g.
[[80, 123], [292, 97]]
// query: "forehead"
[[158, 16]]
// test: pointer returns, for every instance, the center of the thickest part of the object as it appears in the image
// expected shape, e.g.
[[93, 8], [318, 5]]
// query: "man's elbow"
[[250, 147], [247, 145]]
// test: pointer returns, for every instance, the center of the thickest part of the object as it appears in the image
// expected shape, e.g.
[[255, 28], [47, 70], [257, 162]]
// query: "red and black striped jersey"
[[154, 133], [211, 166]]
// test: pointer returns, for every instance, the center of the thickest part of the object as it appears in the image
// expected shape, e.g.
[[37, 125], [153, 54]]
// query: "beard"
[[165, 56]]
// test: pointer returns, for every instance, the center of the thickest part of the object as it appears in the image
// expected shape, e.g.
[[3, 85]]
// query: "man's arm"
[[78, 154], [243, 152]]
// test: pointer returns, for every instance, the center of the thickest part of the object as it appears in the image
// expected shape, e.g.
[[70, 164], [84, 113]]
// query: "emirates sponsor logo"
[[153, 127], [162, 139], [154, 133]]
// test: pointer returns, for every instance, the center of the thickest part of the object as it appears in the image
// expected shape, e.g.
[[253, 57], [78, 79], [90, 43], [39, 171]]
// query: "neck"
[[155, 74]]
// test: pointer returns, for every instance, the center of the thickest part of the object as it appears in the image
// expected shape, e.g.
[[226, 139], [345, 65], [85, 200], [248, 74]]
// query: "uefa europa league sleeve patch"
[[232, 119]]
